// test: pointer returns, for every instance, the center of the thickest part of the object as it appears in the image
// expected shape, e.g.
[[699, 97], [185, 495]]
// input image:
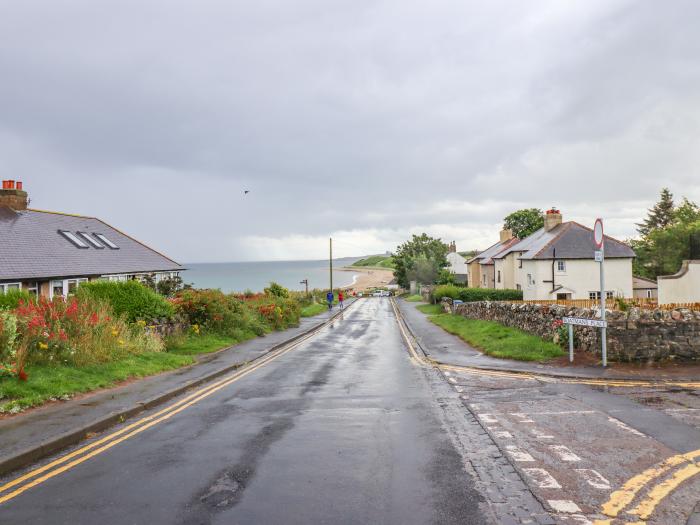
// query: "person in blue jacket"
[[329, 298]]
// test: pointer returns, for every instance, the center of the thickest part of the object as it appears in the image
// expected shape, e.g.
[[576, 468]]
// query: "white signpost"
[[599, 239], [580, 321]]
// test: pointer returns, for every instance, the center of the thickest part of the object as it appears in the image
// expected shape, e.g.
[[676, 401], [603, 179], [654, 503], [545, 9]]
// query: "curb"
[[545, 373], [55, 444]]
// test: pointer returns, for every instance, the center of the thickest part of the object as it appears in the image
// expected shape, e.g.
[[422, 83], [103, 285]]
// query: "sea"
[[255, 276]]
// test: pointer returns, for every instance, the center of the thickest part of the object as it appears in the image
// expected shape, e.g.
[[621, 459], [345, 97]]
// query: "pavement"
[[449, 349], [27, 437]]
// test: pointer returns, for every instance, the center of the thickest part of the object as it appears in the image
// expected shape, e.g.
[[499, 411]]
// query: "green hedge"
[[130, 298], [469, 295], [10, 299]]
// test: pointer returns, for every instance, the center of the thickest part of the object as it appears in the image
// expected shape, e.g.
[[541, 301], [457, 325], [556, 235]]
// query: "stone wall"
[[636, 335]]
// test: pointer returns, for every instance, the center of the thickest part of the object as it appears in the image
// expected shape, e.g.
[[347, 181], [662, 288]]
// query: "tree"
[[687, 212], [660, 216], [524, 222], [419, 258]]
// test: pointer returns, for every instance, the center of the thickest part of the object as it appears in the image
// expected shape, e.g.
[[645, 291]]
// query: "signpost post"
[[599, 238], [581, 321]]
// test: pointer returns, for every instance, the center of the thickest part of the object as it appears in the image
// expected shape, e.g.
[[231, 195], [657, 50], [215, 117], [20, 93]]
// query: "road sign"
[[598, 235], [598, 256], [581, 321]]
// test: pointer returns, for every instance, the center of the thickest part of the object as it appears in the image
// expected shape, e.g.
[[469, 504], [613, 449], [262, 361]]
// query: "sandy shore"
[[368, 278]]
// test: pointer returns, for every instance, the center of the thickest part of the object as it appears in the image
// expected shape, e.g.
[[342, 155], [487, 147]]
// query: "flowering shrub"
[[8, 346], [276, 312], [75, 332], [216, 312]]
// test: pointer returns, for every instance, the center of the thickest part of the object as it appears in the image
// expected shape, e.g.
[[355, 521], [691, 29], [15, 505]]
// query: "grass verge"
[[430, 309], [313, 309], [414, 298], [48, 383], [493, 338]]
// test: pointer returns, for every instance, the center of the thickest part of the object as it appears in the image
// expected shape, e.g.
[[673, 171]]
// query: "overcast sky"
[[364, 120]]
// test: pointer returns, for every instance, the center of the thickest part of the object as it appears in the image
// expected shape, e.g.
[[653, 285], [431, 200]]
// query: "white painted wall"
[[684, 287], [458, 264], [507, 267], [580, 277]]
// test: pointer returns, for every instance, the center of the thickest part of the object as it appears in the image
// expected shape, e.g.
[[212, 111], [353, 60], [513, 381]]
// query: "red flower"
[[22, 376]]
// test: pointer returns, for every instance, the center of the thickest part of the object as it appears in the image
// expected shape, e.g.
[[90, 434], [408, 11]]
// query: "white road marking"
[[564, 505], [564, 453], [682, 409], [539, 434], [518, 455], [542, 478], [523, 417], [488, 418], [594, 478], [474, 406], [559, 413], [625, 427], [576, 518], [451, 379], [447, 374], [504, 434]]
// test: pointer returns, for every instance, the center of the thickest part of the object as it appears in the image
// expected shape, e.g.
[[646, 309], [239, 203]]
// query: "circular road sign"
[[598, 233]]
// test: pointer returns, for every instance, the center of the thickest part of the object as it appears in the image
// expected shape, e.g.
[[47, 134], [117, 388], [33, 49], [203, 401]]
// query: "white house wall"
[[579, 278], [684, 287]]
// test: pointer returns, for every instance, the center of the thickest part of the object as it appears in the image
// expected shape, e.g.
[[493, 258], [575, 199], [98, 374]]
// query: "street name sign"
[[598, 255], [580, 321]]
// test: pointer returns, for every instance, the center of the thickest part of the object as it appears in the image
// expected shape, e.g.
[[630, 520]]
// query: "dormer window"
[[106, 241], [73, 238], [89, 238]]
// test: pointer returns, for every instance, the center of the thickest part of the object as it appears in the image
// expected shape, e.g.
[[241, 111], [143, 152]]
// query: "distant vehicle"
[[378, 293], [381, 293]]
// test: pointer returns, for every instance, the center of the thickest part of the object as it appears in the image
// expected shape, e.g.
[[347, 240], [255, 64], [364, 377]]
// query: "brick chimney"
[[13, 196], [506, 235], [552, 219]]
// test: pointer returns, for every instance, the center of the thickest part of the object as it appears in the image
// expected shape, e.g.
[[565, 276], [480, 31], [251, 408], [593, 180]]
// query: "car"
[[377, 293]]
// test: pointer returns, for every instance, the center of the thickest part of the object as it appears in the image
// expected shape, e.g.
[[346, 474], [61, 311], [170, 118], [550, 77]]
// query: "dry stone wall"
[[634, 335]]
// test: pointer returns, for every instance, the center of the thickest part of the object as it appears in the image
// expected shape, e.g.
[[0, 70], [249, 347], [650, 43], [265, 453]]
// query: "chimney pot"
[[19, 184], [552, 219]]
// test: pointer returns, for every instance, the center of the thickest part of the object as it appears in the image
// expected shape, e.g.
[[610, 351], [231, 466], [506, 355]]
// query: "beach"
[[368, 278]]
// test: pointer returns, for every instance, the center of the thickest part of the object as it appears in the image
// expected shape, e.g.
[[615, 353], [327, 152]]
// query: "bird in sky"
[[246, 192]]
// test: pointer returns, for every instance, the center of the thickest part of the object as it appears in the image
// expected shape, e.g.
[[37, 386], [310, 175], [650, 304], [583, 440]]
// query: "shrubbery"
[[130, 298], [469, 295], [11, 299]]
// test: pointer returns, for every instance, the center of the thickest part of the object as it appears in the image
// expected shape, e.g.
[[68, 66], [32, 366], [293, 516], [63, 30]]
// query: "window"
[[106, 241], [520, 263], [595, 296], [72, 237], [483, 279], [499, 276], [56, 289], [518, 287], [33, 288], [563, 296], [561, 266], [650, 294], [4, 287], [65, 287], [530, 280], [89, 238], [71, 285]]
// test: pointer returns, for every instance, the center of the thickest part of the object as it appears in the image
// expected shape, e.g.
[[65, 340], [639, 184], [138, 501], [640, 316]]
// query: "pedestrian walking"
[[340, 299], [329, 298]]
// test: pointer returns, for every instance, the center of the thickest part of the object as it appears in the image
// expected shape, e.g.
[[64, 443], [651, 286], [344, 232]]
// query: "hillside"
[[376, 261]]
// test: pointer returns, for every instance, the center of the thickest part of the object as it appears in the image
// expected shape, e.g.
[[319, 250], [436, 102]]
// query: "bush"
[[217, 312], [277, 290], [11, 299], [469, 295], [130, 298]]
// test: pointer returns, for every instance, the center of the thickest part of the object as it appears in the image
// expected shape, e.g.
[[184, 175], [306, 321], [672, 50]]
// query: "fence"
[[612, 304]]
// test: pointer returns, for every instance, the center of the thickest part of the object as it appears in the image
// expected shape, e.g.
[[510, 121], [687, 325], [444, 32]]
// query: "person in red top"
[[340, 299]]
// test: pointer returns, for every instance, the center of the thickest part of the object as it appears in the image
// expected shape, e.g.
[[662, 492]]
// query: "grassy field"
[[414, 298], [493, 338], [313, 309], [47, 383], [376, 261]]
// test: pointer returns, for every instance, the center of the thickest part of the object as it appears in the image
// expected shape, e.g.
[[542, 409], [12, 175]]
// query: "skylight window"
[[72, 237], [106, 241], [89, 238]]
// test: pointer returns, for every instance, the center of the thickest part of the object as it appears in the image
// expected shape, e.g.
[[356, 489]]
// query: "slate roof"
[[640, 283], [32, 248], [486, 254], [503, 247], [571, 240]]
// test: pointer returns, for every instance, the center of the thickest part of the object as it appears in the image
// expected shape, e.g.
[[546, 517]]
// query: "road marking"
[[564, 453], [594, 478], [625, 495], [522, 417], [542, 478], [487, 418], [451, 379], [144, 423], [539, 434], [519, 455], [659, 492], [625, 427], [503, 434], [564, 505]]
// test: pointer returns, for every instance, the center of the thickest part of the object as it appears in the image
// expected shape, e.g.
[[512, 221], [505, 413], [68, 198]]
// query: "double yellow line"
[[35, 477], [663, 478]]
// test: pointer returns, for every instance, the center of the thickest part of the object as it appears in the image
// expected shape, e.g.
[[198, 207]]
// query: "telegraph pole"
[[330, 261]]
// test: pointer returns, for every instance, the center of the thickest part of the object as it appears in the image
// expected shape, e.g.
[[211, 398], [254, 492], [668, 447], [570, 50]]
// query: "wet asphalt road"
[[343, 429]]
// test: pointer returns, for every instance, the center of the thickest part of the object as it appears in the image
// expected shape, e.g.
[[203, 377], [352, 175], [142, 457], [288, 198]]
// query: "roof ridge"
[[613, 239], [566, 226]]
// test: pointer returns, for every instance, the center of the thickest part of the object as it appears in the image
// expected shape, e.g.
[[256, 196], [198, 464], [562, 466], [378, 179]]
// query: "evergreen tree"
[[660, 216]]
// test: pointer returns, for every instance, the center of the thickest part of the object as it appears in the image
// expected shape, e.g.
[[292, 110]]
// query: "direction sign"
[[580, 321], [598, 236]]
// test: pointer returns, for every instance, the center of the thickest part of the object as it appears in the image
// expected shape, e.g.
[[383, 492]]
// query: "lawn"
[[313, 309], [430, 309], [414, 298], [47, 383], [493, 338]]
